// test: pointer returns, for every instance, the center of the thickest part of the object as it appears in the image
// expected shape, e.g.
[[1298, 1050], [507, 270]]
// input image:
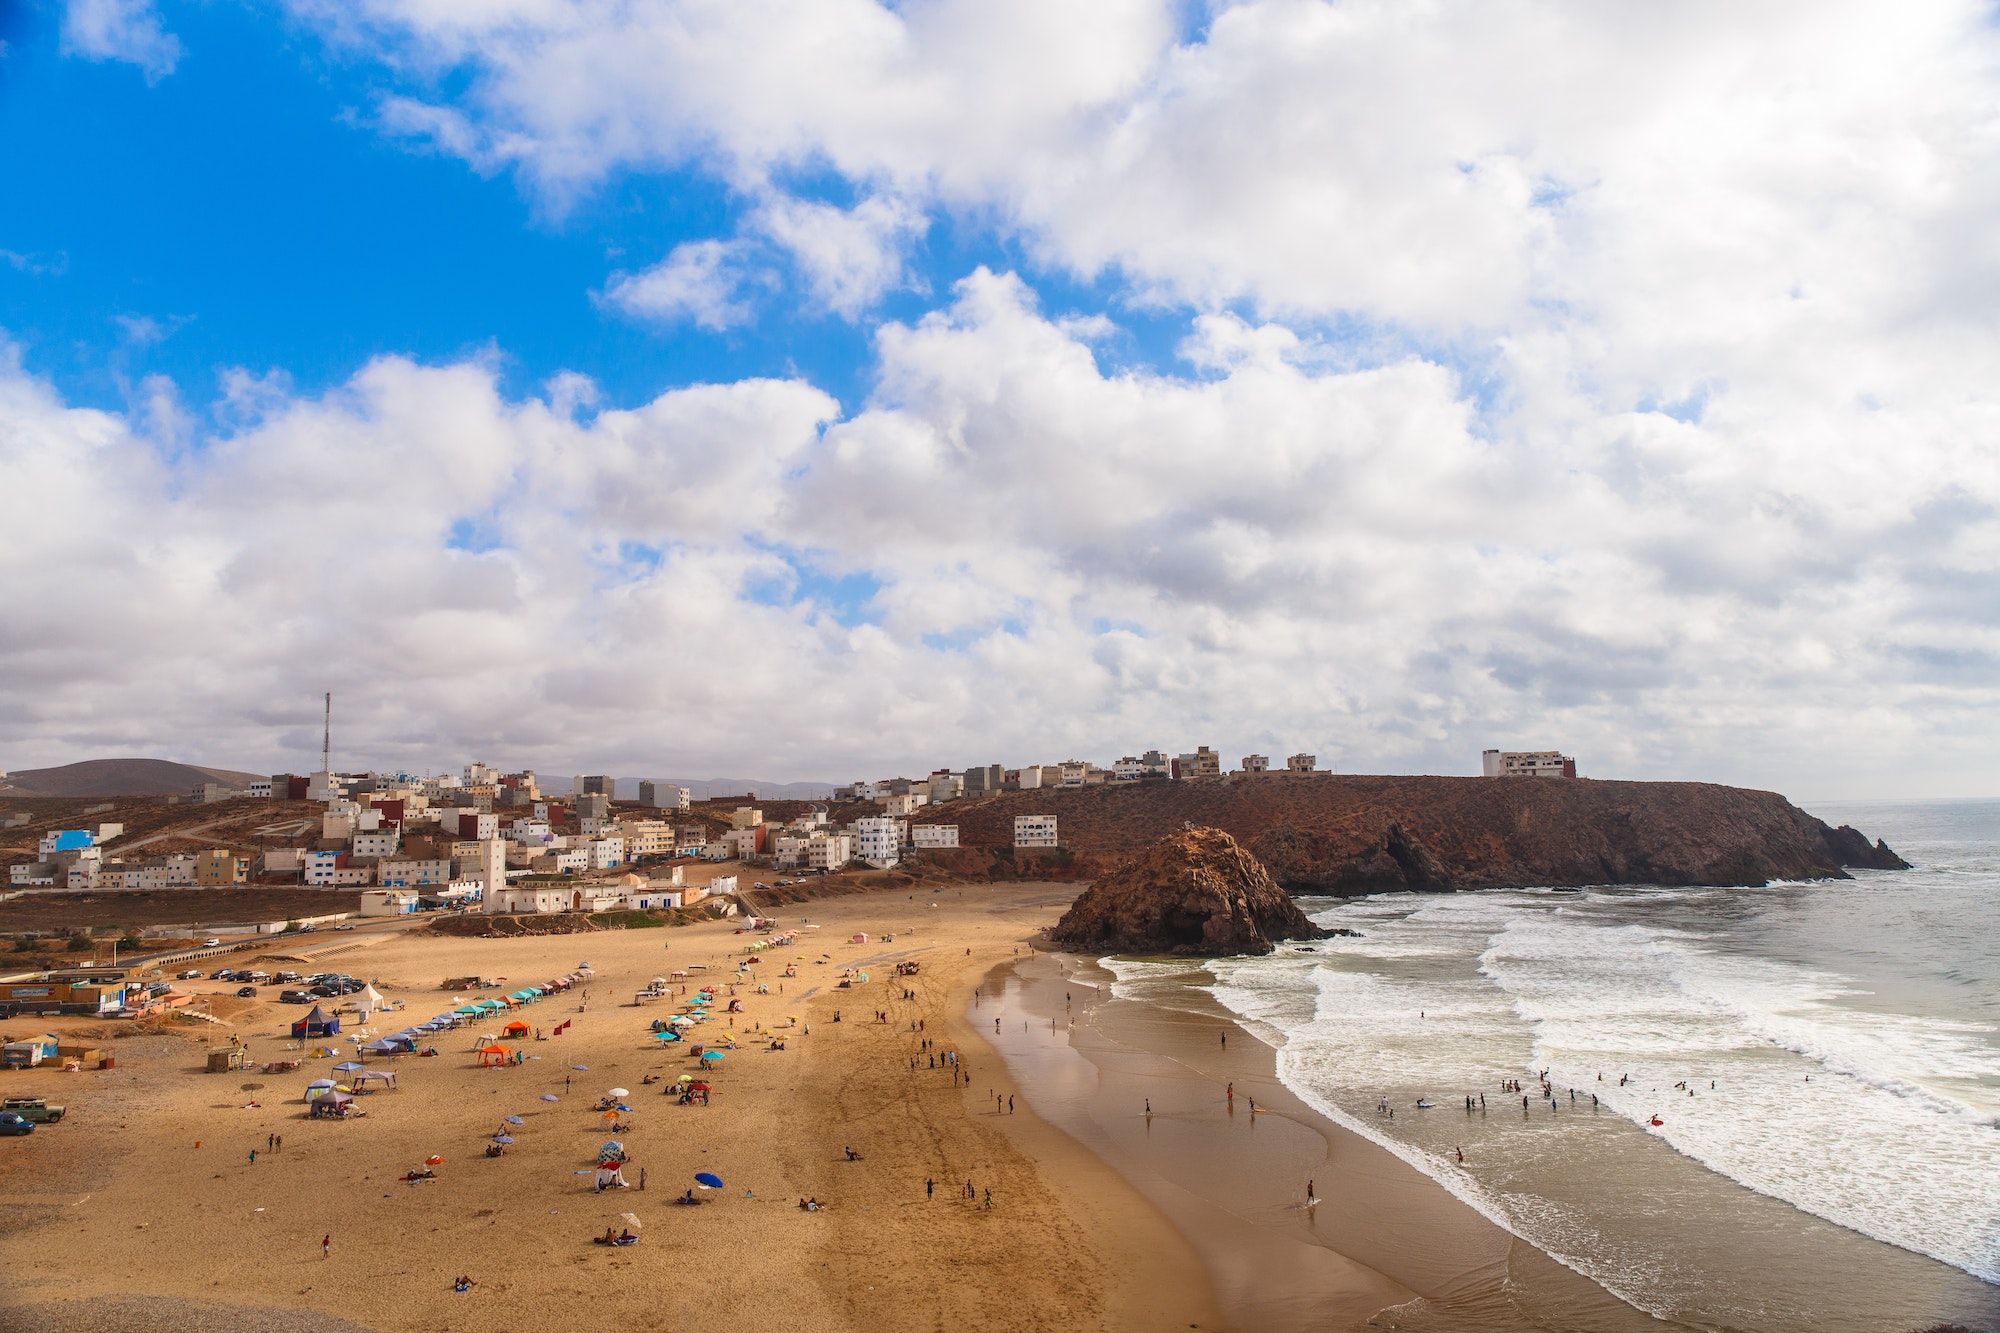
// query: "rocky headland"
[[1194, 892], [1321, 833]]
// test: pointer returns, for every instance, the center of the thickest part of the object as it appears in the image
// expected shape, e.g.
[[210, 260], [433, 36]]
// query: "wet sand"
[[1385, 1244]]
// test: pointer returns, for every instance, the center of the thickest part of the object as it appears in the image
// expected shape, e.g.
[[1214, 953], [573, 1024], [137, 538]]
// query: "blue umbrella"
[[550, 1097], [513, 1120], [503, 1138], [708, 1178]]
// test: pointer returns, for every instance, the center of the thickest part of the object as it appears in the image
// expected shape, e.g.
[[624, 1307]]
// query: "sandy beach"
[[1101, 1216], [118, 1219]]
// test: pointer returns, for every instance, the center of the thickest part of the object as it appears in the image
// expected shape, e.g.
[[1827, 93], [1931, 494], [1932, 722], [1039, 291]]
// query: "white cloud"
[[700, 281], [1278, 554], [125, 30], [849, 257]]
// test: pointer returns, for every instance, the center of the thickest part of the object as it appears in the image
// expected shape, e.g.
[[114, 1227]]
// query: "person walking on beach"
[[280, 1144], [1010, 1103], [270, 1142], [930, 1187], [1149, 1115], [326, 1246], [1225, 1039], [1309, 1191]]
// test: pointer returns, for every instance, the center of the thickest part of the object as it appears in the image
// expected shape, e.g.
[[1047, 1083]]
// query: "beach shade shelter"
[[611, 1150], [368, 1001], [550, 1097], [710, 1057], [516, 1029], [708, 1180], [317, 1023], [514, 1120], [330, 1104], [382, 1047], [318, 1086], [386, 1077], [619, 1092], [503, 1139], [346, 1067], [484, 1039], [610, 1176], [492, 1057]]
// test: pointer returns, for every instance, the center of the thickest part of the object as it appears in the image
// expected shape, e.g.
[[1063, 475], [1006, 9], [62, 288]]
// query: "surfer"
[[1309, 1191]]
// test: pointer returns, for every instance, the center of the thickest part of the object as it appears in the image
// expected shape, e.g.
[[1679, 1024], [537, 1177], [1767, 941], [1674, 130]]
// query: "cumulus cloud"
[[1276, 553], [124, 30], [702, 281]]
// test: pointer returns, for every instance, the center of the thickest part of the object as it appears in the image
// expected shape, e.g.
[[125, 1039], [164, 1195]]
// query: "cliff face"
[[1353, 835], [1194, 892]]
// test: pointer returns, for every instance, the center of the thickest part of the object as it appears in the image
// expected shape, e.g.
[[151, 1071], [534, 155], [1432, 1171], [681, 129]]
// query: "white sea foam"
[[1892, 1137]]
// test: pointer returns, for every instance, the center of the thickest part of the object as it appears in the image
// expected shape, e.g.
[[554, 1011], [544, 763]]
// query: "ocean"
[[1766, 1108]]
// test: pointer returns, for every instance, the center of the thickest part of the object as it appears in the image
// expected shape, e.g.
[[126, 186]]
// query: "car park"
[[246, 993], [14, 1124]]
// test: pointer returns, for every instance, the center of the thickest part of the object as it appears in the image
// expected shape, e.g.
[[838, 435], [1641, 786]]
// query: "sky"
[[832, 389]]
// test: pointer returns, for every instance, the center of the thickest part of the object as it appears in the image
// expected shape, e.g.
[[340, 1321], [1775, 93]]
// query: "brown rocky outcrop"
[[1322, 833], [1194, 892]]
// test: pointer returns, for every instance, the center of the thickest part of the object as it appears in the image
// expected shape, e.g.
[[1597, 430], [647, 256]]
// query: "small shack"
[[317, 1023], [222, 1059]]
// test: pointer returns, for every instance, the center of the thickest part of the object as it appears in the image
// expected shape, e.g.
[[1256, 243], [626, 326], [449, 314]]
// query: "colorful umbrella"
[[708, 1180]]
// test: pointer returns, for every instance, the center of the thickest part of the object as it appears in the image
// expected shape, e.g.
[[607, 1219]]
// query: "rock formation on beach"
[[1321, 833], [1194, 892]]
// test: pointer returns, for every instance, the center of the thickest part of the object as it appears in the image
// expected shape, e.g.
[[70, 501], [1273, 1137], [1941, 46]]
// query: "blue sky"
[[819, 387], [242, 213]]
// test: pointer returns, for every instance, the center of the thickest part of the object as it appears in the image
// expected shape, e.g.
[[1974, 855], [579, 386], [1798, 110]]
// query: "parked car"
[[14, 1124], [223, 974], [345, 925], [255, 974], [211, 944], [298, 997], [246, 993], [305, 930], [287, 978], [33, 1108], [192, 974]]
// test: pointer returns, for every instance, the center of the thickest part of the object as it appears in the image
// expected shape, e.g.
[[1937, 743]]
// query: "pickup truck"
[[33, 1108]]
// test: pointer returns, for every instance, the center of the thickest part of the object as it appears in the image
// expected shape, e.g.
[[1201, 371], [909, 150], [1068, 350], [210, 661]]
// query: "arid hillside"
[[118, 777], [1323, 833]]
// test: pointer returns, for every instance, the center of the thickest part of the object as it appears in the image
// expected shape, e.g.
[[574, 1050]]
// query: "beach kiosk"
[[318, 1023]]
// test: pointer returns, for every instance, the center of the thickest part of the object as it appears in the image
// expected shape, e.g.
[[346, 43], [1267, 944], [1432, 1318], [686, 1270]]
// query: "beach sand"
[[1102, 1217], [115, 1219]]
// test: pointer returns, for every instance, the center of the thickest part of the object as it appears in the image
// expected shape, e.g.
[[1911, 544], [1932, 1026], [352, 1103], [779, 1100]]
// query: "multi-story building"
[[878, 841], [745, 816], [1022, 779], [1074, 772], [404, 873], [218, 867], [744, 843], [1301, 763], [596, 784], [933, 836], [1127, 769], [983, 781], [829, 851], [1256, 763], [480, 775], [908, 803], [646, 837], [605, 853], [945, 786], [591, 805], [1035, 831], [1527, 764], [376, 842], [1203, 763], [664, 796], [332, 870]]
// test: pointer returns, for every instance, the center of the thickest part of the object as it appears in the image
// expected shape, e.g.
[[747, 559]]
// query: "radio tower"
[[326, 742]]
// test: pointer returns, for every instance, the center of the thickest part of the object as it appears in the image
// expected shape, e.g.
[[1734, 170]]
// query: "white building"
[[934, 835], [1035, 831], [259, 787], [388, 902], [879, 841], [377, 842], [1024, 779], [829, 851], [1074, 772], [664, 796], [490, 870], [1127, 769], [481, 775], [605, 852], [331, 870], [1526, 764]]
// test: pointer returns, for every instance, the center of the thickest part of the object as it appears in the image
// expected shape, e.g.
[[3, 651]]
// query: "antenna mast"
[[326, 742]]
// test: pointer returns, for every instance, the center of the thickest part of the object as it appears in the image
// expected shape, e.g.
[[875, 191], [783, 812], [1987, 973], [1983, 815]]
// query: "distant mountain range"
[[119, 777], [163, 777]]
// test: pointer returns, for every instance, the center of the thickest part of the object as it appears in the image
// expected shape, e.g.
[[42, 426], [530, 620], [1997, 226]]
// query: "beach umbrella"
[[582, 1068], [708, 1180], [550, 1097], [609, 1115], [514, 1120], [619, 1092], [433, 1160], [711, 1055], [631, 1221], [503, 1138], [687, 1078]]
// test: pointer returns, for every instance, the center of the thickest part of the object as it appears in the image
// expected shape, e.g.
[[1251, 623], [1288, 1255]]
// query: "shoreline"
[[1385, 1244]]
